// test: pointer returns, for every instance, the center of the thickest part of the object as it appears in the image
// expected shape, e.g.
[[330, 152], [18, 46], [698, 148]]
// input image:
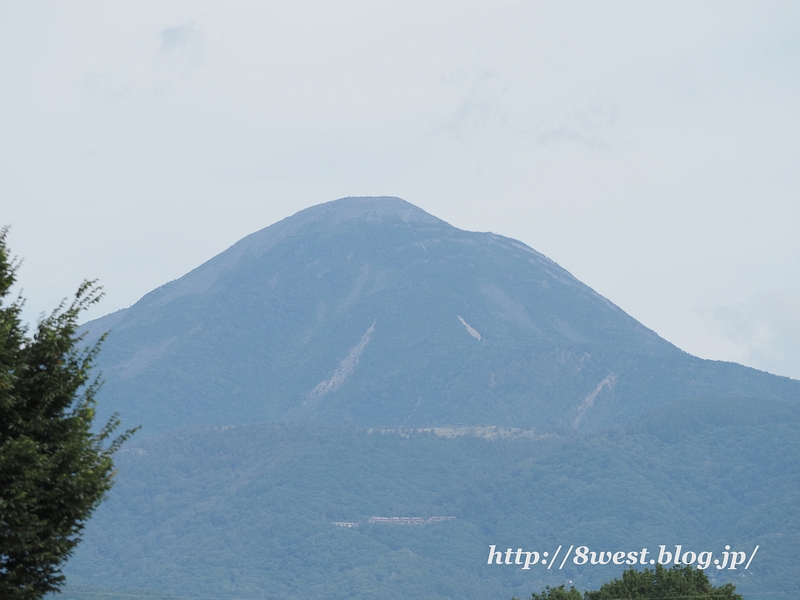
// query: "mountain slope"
[[251, 511], [370, 311]]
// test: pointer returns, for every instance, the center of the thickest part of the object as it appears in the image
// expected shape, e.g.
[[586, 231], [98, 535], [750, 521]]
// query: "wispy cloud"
[[183, 45], [590, 126], [177, 52], [763, 331], [485, 109], [181, 39], [480, 108]]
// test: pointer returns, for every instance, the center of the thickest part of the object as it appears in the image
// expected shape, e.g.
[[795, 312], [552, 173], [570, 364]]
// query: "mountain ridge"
[[259, 242]]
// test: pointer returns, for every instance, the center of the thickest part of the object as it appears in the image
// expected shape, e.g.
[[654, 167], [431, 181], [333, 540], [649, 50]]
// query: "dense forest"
[[249, 511]]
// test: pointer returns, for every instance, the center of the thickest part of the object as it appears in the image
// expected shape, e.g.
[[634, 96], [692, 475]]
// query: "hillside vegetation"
[[247, 511]]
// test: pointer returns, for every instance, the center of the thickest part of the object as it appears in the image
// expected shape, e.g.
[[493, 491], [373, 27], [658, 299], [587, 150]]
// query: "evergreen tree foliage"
[[54, 470]]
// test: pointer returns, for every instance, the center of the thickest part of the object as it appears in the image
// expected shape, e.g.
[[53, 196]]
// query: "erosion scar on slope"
[[470, 329], [345, 369], [588, 402], [413, 410]]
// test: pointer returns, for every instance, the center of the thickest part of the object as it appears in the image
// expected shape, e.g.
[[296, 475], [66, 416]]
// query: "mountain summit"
[[372, 312]]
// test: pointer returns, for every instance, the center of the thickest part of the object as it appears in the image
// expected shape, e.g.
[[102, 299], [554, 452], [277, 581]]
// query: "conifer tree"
[[54, 469]]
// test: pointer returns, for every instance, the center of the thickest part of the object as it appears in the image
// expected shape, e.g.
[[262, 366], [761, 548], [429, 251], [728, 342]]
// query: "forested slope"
[[247, 511]]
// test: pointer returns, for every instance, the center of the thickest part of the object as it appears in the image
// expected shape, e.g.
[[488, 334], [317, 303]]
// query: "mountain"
[[359, 401], [372, 312]]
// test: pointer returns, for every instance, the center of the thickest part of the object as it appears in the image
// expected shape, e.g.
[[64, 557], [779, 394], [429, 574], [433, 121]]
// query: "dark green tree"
[[557, 593], [661, 583], [685, 583], [54, 469]]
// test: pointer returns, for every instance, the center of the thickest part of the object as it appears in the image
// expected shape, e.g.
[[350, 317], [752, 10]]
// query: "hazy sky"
[[652, 149]]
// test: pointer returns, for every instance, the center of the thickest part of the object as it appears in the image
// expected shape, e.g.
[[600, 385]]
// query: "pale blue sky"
[[652, 149]]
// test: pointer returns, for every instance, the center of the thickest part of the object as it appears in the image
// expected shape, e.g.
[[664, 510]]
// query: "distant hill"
[[372, 312], [251, 511]]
